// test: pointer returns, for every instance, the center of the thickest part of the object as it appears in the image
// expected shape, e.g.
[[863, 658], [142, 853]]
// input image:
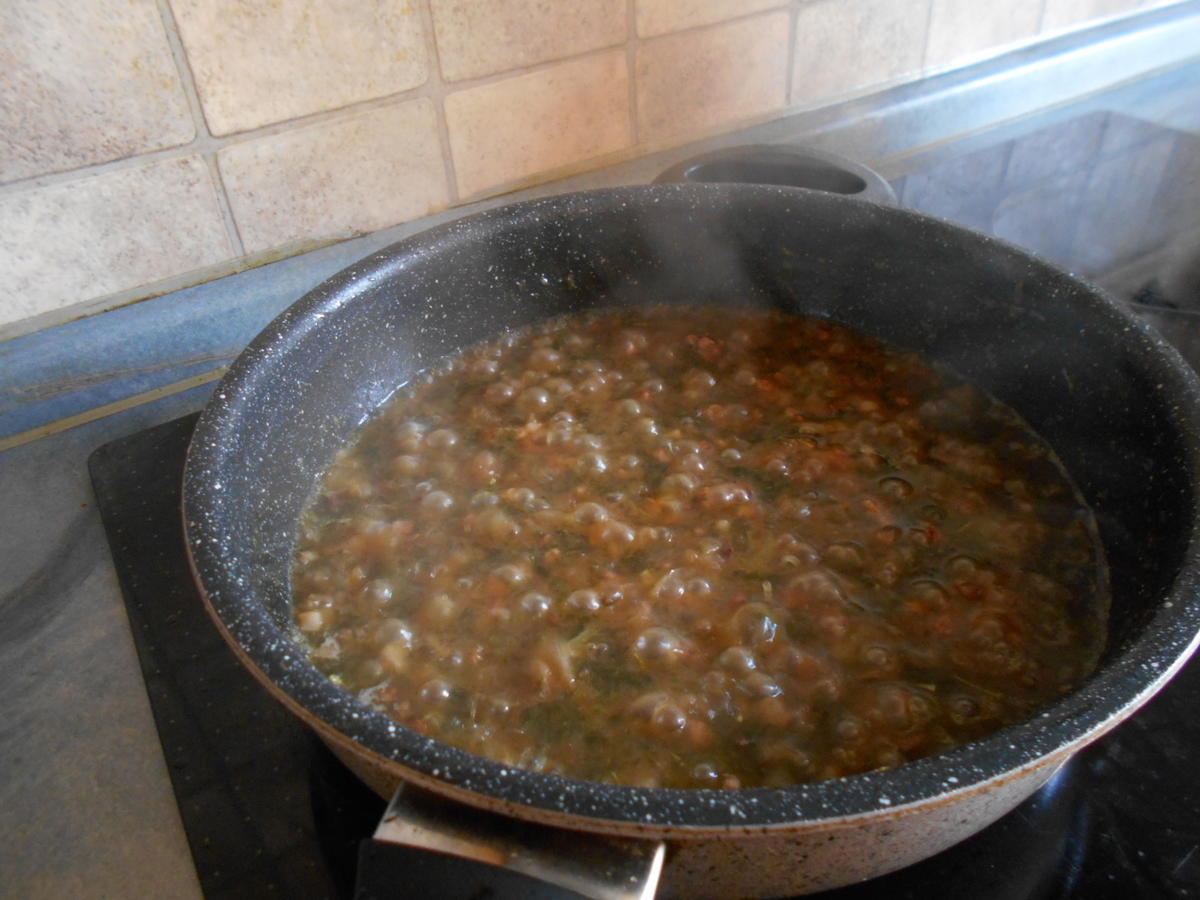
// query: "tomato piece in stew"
[[693, 547]]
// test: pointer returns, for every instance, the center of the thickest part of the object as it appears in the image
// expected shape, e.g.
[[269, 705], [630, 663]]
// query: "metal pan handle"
[[576, 863]]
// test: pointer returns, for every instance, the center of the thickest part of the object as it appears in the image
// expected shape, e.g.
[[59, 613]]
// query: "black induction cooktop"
[[270, 813]]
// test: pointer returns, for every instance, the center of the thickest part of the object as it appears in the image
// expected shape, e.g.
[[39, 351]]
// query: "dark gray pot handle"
[[784, 165]]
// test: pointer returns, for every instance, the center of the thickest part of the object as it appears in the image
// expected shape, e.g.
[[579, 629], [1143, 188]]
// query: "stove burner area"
[[269, 812]]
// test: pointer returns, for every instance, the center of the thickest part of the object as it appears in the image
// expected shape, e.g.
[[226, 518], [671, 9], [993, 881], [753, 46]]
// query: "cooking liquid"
[[699, 548]]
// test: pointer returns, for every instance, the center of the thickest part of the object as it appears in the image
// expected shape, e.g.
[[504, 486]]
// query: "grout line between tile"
[[204, 142], [631, 52], [740, 17], [235, 234], [790, 72], [1041, 24], [925, 41], [435, 89]]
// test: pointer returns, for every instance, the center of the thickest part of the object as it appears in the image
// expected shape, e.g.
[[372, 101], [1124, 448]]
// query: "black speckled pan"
[[1118, 404]]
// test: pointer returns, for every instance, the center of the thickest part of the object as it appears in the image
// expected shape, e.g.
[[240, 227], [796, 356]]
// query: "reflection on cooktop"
[[1108, 196], [1092, 194]]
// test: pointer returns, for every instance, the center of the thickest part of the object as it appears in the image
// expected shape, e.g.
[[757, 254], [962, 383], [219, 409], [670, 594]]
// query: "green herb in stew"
[[699, 548]]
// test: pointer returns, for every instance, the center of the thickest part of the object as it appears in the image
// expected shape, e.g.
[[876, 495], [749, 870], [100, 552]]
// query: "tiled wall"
[[144, 139]]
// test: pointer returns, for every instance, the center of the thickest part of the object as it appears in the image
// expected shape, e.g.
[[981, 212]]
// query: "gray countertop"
[[87, 807]]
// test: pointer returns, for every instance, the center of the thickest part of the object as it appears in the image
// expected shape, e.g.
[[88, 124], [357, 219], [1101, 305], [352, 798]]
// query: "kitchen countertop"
[[88, 809]]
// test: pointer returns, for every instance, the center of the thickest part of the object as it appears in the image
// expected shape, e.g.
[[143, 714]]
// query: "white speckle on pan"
[[952, 779], [885, 801]]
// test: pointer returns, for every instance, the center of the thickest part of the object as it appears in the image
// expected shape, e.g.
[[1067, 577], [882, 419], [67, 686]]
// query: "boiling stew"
[[694, 547]]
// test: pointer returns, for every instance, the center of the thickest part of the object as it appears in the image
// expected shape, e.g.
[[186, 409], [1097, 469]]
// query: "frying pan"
[[1119, 406]]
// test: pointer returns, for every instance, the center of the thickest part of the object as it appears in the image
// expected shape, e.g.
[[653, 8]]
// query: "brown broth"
[[699, 548]]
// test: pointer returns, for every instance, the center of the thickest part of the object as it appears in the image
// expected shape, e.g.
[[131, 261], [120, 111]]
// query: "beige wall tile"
[[965, 30], [846, 45], [512, 129], [1063, 14], [660, 16], [82, 239], [699, 81], [356, 174], [255, 62], [481, 37], [83, 82]]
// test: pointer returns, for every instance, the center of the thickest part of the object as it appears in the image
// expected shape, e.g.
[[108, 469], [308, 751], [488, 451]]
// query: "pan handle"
[[577, 863], [785, 165]]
